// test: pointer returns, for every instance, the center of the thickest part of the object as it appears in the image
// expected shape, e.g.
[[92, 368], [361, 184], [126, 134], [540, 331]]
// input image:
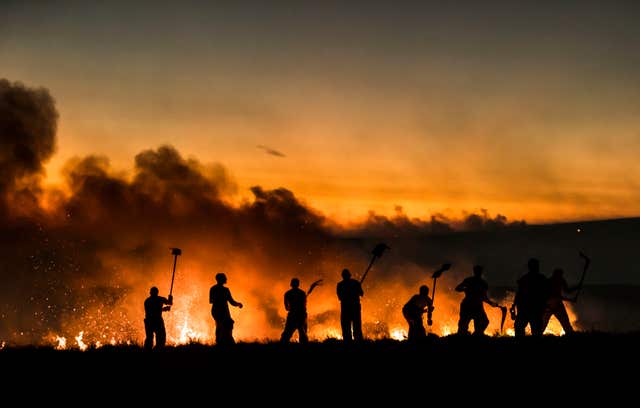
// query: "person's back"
[[219, 297], [153, 307], [349, 291], [532, 291], [475, 290], [416, 305], [295, 300]]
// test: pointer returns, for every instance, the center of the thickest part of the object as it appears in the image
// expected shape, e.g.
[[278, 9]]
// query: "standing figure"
[[295, 303], [471, 308], [220, 297], [413, 311], [555, 304], [530, 301], [349, 292], [154, 305]]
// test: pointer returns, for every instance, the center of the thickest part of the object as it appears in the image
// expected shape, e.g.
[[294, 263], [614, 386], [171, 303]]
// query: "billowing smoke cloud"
[[28, 122], [87, 260]]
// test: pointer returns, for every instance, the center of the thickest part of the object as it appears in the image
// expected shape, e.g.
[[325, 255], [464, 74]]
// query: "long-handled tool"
[[377, 253], [435, 276], [587, 262], [313, 285], [175, 252]]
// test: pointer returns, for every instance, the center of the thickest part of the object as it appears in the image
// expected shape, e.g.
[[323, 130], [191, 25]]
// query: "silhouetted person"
[[220, 297], [154, 305], [555, 305], [413, 311], [295, 303], [531, 300], [349, 292], [471, 308]]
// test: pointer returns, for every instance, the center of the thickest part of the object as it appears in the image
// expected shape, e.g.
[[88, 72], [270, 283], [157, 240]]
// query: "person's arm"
[[166, 301], [286, 303], [485, 299], [429, 307], [211, 295], [360, 291], [339, 292], [462, 286], [233, 302]]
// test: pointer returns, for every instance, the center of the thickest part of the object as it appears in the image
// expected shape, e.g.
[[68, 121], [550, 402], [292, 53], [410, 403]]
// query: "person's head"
[[533, 265], [221, 278], [477, 270], [424, 290], [295, 283], [558, 272], [346, 274], [154, 291]]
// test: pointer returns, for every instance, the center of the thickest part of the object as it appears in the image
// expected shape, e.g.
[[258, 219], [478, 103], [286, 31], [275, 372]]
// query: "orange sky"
[[431, 110]]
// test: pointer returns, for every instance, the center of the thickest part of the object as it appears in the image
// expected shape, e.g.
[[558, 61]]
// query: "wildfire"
[[188, 335], [189, 320], [398, 334], [81, 344], [61, 343]]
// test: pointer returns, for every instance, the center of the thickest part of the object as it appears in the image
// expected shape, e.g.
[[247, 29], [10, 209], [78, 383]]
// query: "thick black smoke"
[[28, 122]]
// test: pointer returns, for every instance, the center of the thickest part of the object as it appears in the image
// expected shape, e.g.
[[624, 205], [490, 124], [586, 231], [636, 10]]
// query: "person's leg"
[[563, 318], [520, 324], [357, 325], [535, 320], [480, 322], [345, 323], [288, 330], [148, 331], [420, 331], [302, 331], [463, 323], [228, 332], [219, 331], [161, 335], [546, 316]]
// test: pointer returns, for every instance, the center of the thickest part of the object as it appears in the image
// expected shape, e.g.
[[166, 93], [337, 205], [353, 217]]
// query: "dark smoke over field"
[[82, 258]]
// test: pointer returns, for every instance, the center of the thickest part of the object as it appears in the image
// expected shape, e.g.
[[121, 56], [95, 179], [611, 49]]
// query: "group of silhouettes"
[[536, 300]]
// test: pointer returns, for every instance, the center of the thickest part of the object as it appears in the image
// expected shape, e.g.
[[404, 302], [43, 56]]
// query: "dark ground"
[[555, 369]]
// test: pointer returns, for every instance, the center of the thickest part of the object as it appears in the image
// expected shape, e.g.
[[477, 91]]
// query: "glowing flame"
[[398, 334], [81, 345], [61, 343], [3, 345], [333, 333], [187, 334]]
